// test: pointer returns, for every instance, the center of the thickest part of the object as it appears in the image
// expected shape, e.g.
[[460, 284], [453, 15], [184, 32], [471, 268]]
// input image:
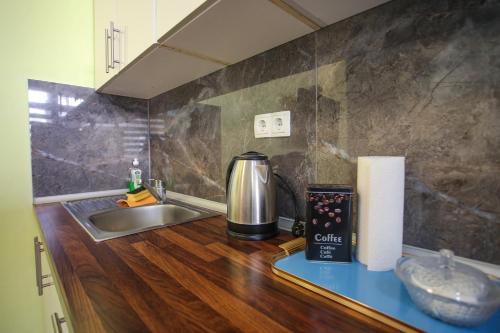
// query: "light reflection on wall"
[[83, 141], [69, 101], [157, 126], [43, 114], [37, 96], [239, 107], [134, 133], [37, 114]]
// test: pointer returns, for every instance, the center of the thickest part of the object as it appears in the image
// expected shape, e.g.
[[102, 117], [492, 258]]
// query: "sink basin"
[[141, 218], [117, 222]]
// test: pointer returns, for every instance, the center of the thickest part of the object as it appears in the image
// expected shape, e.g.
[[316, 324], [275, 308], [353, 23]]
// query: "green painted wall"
[[45, 40]]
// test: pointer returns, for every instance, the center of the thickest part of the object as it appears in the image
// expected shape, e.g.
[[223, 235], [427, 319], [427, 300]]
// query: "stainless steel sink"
[[106, 224]]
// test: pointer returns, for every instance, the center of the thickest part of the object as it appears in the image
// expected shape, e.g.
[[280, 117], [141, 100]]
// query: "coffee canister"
[[329, 222]]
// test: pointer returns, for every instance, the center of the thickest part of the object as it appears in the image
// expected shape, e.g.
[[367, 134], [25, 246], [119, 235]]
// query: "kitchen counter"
[[189, 277]]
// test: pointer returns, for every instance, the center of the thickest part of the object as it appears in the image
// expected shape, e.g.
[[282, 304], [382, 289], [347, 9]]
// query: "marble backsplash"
[[82, 141], [419, 79]]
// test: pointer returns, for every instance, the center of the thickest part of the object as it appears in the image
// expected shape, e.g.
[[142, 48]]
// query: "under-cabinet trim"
[[195, 55], [295, 13], [141, 56], [208, 4]]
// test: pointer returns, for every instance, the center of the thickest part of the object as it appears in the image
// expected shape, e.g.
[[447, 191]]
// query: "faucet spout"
[[157, 189]]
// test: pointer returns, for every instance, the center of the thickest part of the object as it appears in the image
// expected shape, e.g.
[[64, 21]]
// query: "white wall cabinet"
[[136, 22], [104, 14], [170, 12], [124, 29], [193, 38]]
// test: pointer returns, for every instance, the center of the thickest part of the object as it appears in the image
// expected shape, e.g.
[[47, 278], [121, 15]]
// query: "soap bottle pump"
[[135, 179]]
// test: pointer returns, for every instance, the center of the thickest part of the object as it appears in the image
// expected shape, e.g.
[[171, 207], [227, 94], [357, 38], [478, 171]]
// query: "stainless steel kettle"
[[251, 197]]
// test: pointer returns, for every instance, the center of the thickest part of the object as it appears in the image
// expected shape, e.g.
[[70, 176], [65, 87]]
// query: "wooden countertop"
[[185, 278]]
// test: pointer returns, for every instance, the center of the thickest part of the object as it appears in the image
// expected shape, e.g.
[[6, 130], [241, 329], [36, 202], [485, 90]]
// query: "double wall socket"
[[269, 125]]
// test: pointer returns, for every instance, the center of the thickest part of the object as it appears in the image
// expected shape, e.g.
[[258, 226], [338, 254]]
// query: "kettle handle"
[[228, 172]]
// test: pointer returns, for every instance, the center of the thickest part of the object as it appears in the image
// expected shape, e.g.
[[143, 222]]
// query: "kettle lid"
[[251, 155]]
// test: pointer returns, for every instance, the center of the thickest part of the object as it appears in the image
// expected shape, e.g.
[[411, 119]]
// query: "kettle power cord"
[[297, 227]]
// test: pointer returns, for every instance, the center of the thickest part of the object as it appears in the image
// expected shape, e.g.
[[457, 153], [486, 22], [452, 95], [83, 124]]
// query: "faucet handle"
[[157, 187], [156, 183]]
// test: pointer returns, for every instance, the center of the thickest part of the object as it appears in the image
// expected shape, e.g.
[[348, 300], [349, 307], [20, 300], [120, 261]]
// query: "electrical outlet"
[[262, 125], [280, 124]]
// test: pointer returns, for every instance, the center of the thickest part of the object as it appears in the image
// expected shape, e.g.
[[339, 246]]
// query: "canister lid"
[[337, 188], [252, 155]]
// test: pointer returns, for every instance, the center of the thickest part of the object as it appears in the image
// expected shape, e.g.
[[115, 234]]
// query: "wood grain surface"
[[185, 278]]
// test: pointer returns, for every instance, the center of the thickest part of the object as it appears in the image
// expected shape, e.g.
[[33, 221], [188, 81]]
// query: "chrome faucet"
[[157, 189]]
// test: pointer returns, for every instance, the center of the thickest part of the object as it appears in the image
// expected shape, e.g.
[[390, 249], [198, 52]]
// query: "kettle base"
[[252, 232]]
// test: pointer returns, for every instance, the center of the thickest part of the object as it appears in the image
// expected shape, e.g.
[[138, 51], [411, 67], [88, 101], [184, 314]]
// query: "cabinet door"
[[51, 302], [171, 12], [135, 19], [104, 13]]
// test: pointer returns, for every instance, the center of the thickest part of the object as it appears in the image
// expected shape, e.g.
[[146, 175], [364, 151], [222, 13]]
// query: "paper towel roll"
[[380, 189]]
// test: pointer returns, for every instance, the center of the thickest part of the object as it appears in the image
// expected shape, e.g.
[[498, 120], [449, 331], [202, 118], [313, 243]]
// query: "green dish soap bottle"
[[135, 176]]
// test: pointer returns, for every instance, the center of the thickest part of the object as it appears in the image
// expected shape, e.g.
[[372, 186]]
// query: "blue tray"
[[380, 295]]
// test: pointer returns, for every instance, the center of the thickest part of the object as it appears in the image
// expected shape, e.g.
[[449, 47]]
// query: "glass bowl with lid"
[[448, 290]]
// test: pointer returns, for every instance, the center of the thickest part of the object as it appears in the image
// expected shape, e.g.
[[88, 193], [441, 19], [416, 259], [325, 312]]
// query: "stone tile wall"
[[414, 78], [82, 141]]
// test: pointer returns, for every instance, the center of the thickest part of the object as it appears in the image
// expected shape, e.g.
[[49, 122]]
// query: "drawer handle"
[[59, 322], [106, 48], [38, 267], [112, 31]]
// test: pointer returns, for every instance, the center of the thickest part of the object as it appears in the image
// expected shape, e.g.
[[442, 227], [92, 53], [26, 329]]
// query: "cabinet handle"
[[113, 30], [59, 322], [106, 49], [38, 267]]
